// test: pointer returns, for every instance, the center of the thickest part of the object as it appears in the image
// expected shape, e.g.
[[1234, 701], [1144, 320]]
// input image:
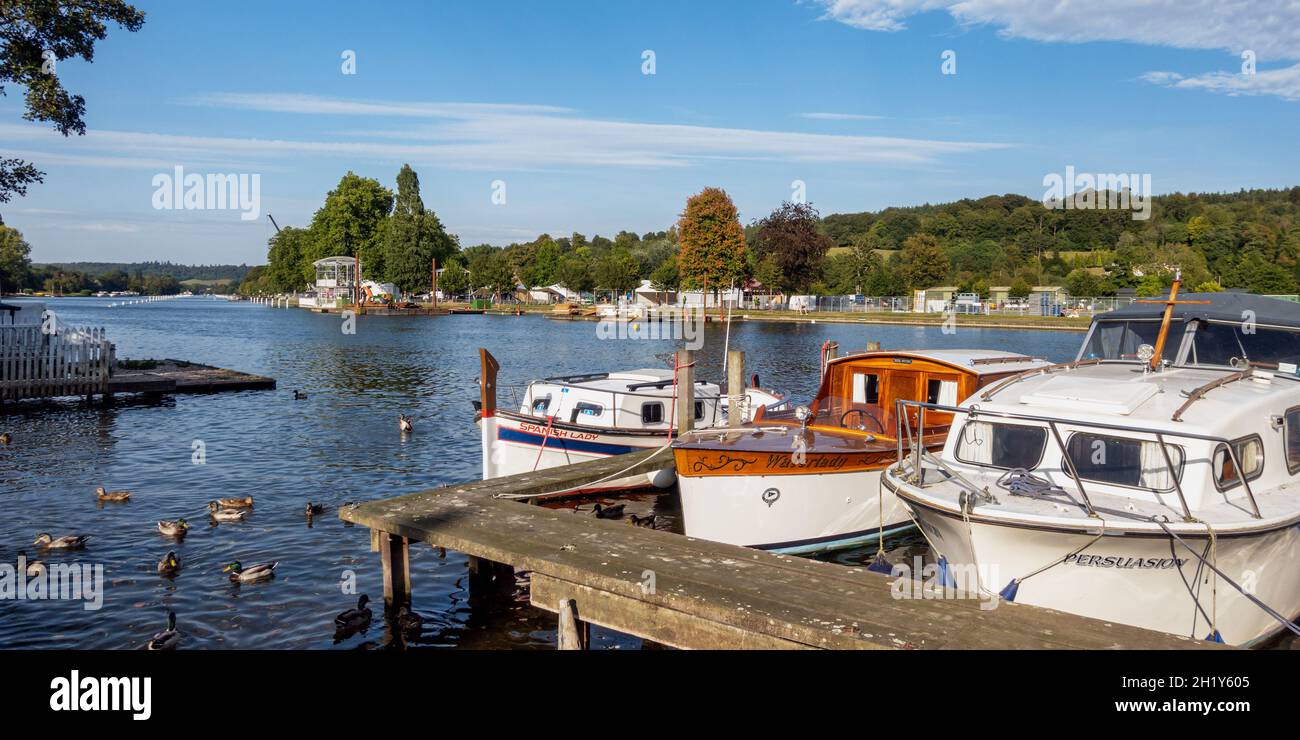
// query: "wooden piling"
[[394, 555], [572, 632], [685, 391], [735, 387]]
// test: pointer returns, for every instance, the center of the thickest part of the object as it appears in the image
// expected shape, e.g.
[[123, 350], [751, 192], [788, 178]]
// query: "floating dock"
[[176, 376], [687, 593]]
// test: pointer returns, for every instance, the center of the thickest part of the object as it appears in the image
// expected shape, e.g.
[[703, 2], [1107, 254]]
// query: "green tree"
[[284, 256], [353, 223], [790, 234], [14, 261], [768, 272], [453, 280], [618, 272], [575, 272], [712, 242], [28, 30], [923, 263], [664, 277], [415, 237], [1019, 288]]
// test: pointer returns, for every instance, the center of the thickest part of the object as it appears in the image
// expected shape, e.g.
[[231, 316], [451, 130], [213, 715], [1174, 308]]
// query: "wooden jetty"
[[48, 360], [175, 376], [688, 593]]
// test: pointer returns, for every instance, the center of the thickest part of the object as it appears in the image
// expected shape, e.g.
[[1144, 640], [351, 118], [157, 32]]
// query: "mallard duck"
[[608, 512], [169, 638], [177, 528], [236, 503], [354, 618], [408, 622], [170, 565], [642, 521], [103, 495], [34, 567], [225, 515], [5, 438], [67, 542], [299, 396], [240, 574], [404, 423]]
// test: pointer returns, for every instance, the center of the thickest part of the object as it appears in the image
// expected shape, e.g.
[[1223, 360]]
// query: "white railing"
[[65, 362]]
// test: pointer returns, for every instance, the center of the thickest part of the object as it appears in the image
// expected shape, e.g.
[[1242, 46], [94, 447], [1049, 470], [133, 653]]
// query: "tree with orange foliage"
[[711, 241]]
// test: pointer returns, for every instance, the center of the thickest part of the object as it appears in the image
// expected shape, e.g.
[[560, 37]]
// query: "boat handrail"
[[974, 412], [988, 394]]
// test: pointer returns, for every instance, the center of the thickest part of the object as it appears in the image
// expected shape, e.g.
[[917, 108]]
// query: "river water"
[[340, 444]]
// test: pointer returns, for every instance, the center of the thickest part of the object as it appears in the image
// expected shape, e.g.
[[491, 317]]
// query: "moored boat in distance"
[[1128, 487], [577, 418], [808, 480]]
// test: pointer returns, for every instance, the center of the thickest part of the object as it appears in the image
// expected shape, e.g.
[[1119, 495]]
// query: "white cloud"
[[1270, 28], [840, 117], [480, 136]]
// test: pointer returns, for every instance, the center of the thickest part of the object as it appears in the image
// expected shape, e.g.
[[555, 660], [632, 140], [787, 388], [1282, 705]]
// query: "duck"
[[67, 542], [354, 618], [169, 638], [5, 438], [177, 528], [225, 515], [647, 521], [170, 564], [103, 495], [608, 512], [236, 503], [251, 574], [314, 509], [408, 622], [299, 396], [34, 567], [404, 424]]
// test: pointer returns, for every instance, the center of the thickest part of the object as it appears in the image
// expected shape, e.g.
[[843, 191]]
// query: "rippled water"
[[341, 444]]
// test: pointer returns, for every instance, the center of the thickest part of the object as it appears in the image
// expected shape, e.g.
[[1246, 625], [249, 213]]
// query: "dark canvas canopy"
[[1230, 307]]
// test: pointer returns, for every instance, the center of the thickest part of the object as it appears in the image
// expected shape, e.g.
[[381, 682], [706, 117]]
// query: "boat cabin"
[[635, 399]]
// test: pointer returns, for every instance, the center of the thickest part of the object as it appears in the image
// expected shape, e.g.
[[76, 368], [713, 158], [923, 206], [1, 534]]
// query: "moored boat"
[[1151, 482], [806, 480]]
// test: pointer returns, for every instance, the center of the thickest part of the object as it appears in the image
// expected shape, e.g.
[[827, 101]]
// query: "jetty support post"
[[573, 633], [685, 391], [394, 554], [735, 387]]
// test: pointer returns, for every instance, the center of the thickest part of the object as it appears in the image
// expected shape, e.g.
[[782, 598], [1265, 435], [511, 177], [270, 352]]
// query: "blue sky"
[[846, 96]]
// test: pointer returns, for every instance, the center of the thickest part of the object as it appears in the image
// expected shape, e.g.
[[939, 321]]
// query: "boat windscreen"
[[1120, 339], [1231, 344]]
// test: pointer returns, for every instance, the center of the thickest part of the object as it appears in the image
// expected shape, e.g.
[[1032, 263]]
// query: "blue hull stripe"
[[506, 434]]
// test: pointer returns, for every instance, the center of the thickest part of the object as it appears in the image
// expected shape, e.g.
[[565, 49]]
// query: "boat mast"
[[1168, 316]]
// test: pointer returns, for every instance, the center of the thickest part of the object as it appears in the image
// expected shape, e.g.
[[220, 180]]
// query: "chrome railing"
[[974, 412]]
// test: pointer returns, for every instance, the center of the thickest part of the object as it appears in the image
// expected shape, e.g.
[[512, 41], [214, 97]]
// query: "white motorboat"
[[577, 418], [808, 480], [1127, 487]]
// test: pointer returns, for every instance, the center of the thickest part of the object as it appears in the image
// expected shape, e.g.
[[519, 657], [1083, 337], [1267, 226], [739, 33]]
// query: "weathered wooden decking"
[[690, 593]]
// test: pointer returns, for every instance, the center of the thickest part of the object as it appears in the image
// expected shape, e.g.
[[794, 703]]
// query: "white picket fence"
[[68, 362]]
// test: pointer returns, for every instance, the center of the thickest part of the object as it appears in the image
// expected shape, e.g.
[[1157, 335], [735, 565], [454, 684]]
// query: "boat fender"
[[1009, 593], [881, 565], [1214, 637], [945, 576]]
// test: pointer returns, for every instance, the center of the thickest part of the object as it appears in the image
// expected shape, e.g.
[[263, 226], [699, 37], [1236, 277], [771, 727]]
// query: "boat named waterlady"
[[1121, 486], [577, 418], [808, 480]]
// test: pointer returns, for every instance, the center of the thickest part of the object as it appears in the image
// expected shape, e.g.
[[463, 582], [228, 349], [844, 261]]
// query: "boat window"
[[652, 412], [582, 408], [1124, 462], [1119, 340], [1250, 452], [1293, 440], [866, 388], [540, 405], [1218, 343], [699, 410], [942, 392], [1002, 445]]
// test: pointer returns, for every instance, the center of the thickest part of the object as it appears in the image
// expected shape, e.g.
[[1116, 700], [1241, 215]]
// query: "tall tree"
[[415, 237], [712, 242], [618, 272], [923, 263], [453, 279], [284, 256], [31, 31], [352, 223], [14, 262], [789, 234]]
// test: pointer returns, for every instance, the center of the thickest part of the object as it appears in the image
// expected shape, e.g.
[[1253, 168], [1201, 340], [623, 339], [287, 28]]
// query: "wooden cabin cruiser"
[[808, 480], [577, 418], [1124, 486]]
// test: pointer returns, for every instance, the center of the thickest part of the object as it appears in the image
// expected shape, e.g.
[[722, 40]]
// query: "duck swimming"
[[169, 638], [178, 528], [647, 521], [608, 512], [170, 565], [353, 619], [408, 622], [119, 496], [5, 438], [314, 509], [299, 396], [236, 503], [404, 424], [225, 515], [251, 574], [67, 542]]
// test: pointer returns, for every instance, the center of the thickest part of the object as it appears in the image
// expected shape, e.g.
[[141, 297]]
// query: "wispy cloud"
[[485, 136], [840, 117], [1270, 28]]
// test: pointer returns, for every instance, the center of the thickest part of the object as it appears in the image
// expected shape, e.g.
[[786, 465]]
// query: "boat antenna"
[[726, 343], [1170, 302]]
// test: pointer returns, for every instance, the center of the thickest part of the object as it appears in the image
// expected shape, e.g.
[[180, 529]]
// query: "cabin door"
[[903, 386]]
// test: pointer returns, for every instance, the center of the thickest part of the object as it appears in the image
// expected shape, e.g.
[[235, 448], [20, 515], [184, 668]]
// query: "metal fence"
[[65, 362], [1037, 305]]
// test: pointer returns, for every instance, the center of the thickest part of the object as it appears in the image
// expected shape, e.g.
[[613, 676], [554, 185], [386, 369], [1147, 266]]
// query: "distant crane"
[[273, 223]]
